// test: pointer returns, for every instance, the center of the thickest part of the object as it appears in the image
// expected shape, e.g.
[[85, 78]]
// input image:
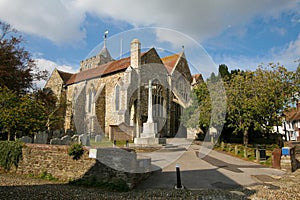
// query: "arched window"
[[90, 100], [182, 88], [158, 100], [117, 97]]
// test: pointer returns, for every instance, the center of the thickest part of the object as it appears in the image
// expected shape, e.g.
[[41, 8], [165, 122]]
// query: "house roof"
[[292, 115], [198, 77]]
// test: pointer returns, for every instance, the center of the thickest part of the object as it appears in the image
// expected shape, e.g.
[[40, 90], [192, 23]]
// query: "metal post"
[[178, 185]]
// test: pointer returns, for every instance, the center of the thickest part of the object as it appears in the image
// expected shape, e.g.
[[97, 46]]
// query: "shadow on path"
[[192, 179], [221, 164]]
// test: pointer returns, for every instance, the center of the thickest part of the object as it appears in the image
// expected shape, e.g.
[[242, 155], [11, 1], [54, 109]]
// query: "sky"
[[241, 34]]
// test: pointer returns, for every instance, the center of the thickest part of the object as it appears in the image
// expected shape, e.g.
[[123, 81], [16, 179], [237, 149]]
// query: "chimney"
[[135, 54]]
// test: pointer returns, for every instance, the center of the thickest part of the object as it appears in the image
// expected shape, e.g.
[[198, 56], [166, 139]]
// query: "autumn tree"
[[20, 108], [17, 70]]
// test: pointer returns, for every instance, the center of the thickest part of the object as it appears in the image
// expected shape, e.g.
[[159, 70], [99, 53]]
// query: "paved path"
[[215, 170]]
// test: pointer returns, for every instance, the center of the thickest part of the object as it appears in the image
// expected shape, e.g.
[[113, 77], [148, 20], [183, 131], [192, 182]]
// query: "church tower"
[[101, 58]]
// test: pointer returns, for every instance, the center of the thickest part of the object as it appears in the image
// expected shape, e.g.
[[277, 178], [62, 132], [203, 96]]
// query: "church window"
[[182, 88], [90, 101], [117, 97], [158, 100]]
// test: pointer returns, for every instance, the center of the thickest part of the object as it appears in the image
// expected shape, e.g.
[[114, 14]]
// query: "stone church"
[[110, 96]]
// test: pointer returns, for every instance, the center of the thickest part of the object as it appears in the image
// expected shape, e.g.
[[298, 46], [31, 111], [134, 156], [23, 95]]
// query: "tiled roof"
[[198, 77], [64, 75], [101, 70], [118, 65], [292, 115], [170, 61]]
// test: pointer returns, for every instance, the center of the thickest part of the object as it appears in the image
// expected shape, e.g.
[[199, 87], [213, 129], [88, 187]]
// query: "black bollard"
[[178, 185], [127, 143], [115, 143]]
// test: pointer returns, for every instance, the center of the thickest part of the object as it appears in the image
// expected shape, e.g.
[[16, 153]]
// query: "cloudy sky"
[[240, 34]]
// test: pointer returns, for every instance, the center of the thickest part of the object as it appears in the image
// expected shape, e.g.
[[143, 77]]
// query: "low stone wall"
[[54, 159], [121, 132]]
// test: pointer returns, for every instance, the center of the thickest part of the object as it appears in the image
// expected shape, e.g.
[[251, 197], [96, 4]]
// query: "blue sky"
[[240, 34]]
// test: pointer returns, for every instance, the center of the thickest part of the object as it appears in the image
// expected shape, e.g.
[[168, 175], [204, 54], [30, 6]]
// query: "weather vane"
[[105, 36]]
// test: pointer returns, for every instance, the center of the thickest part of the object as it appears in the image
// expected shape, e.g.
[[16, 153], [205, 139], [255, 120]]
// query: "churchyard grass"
[[105, 143], [230, 149]]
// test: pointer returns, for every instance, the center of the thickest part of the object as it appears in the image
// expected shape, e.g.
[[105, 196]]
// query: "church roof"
[[170, 61], [65, 76], [101, 70], [118, 65], [105, 53]]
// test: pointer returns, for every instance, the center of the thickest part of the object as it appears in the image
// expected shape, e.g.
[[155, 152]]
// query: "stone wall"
[[54, 159], [121, 132]]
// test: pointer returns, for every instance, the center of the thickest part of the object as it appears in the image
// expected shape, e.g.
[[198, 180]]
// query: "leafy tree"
[[257, 99], [17, 69], [9, 102], [208, 107], [47, 98], [223, 72], [20, 114]]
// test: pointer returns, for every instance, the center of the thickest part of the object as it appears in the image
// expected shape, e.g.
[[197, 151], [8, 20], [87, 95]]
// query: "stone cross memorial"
[[149, 128]]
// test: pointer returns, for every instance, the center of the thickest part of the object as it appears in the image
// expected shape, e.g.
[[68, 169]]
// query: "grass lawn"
[[238, 151], [105, 143]]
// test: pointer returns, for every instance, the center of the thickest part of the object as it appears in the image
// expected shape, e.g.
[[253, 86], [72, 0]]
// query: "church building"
[[110, 96]]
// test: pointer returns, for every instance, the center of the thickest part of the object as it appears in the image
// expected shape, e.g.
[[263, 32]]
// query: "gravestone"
[[56, 133], [84, 139], [75, 138], [41, 137], [55, 141], [26, 139], [70, 132], [66, 140], [98, 138]]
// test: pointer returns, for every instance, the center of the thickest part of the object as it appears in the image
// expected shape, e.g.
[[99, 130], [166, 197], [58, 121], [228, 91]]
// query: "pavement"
[[215, 170]]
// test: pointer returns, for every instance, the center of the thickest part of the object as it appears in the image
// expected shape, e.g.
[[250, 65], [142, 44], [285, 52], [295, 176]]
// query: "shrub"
[[76, 151], [47, 176], [11, 153]]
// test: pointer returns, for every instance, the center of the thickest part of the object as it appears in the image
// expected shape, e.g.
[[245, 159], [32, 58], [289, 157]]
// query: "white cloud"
[[43, 64], [289, 54], [58, 21], [199, 19], [62, 21], [285, 55]]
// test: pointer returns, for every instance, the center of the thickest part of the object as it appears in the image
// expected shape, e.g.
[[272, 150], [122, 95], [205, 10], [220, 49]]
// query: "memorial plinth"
[[148, 136]]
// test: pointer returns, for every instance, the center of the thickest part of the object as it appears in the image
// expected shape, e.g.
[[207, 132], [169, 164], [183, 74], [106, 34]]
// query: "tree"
[[17, 70], [223, 72], [209, 106], [20, 114], [47, 98], [257, 99]]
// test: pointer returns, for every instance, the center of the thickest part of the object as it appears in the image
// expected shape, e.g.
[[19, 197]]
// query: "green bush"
[[76, 151], [11, 153], [47, 176]]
